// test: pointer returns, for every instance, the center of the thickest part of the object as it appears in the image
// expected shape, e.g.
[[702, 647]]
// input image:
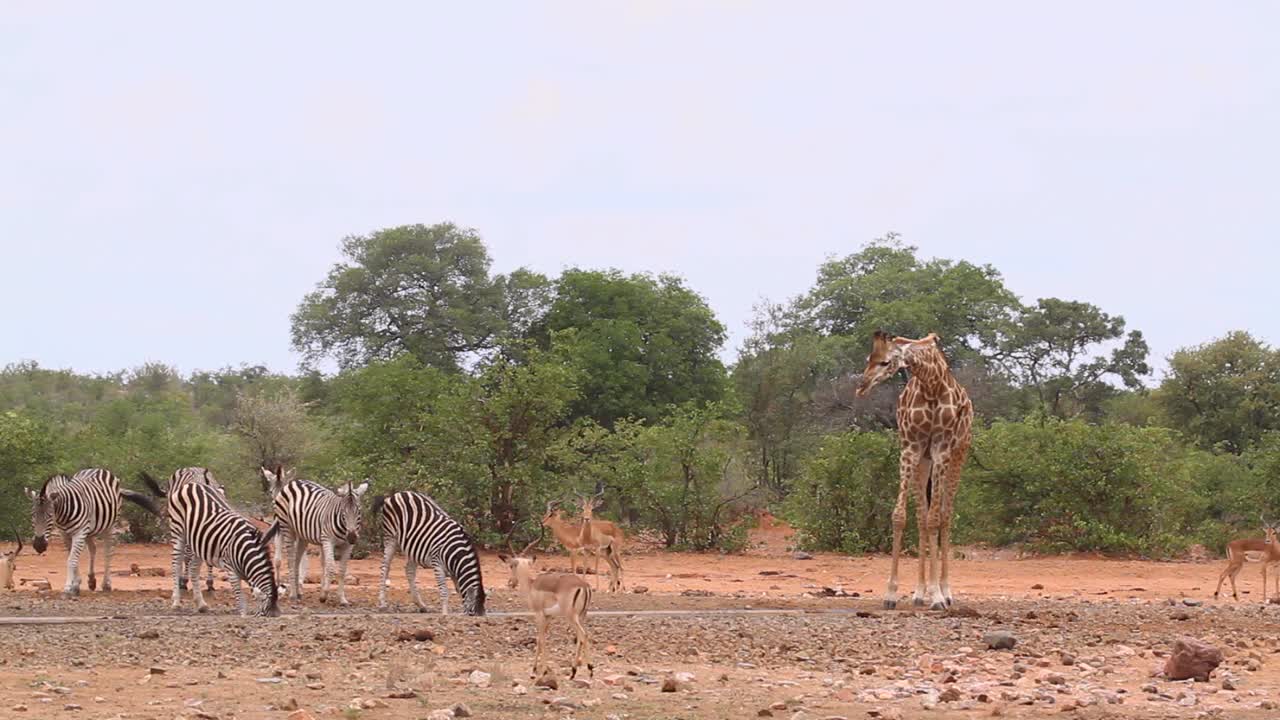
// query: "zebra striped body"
[[180, 477], [413, 523], [311, 513], [83, 508], [205, 529]]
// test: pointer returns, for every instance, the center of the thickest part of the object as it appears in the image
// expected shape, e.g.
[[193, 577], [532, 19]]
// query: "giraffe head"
[[889, 354]]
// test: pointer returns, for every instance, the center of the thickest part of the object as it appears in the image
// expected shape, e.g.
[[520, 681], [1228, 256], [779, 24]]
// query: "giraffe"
[[935, 423]]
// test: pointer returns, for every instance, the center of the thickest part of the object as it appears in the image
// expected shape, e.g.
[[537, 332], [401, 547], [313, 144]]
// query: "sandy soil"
[[1089, 640]]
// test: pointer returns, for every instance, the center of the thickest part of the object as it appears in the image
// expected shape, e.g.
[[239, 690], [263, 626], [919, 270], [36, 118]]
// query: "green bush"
[[844, 498]]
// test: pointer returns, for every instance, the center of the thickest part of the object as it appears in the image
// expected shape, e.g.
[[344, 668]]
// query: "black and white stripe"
[[413, 523], [180, 477], [204, 529], [83, 508], [311, 513]]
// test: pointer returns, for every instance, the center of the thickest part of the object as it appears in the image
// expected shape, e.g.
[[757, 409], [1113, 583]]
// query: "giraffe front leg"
[[326, 567], [899, 524]]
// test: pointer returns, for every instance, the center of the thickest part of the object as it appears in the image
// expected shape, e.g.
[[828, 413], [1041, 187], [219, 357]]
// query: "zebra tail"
[[271, 532], [151, 483], [140, 499], [376, 506]]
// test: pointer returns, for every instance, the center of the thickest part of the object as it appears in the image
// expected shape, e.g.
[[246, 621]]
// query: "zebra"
[[83, 508], [203, 528], [272, 481], [180, 477], [312, 513], [414, 523]]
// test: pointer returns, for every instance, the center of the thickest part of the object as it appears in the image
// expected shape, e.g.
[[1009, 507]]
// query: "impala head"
[[350, 515], [17, 538], [275, 478], [41, 514], [521, 568], [591, 503], [553, 512]]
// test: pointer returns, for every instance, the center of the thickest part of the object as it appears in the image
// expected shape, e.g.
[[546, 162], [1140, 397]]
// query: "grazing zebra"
[[415, 524], [203, 528], [312, 513], [181, 477], [82, 507]]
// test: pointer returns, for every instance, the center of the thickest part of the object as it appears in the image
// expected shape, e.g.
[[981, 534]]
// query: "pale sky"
[[174, 178]]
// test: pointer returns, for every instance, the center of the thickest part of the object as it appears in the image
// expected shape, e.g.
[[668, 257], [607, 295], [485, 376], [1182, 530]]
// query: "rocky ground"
[[830, 652]]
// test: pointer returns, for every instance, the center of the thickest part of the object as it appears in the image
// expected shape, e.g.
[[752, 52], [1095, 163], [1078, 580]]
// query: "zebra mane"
[[44, 488]]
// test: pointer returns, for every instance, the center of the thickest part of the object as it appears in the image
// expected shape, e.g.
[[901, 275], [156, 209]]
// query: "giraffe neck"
[[929, 369]]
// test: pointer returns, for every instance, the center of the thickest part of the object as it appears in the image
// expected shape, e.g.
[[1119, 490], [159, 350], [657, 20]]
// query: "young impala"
[[549, 595], [1265, 550]]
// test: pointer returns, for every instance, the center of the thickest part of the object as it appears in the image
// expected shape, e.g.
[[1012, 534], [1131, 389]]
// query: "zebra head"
[[349, 513], [41, 514], [473, 600]]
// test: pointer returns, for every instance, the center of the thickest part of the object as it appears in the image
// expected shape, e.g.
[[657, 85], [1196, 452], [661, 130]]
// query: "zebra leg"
[[342, 573], [388, 552], [443, 587], [93, 559], [75, 546], [193, 571], [239, 595], [326, 567], [411, 574], [106, 562], [208, 586], [179, 569], [297, 549]]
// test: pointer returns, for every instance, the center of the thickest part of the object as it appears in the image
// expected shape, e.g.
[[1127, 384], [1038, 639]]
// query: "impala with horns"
[[568, 534], [9, 563], [601, 536], [1265, 550], [549, 595]]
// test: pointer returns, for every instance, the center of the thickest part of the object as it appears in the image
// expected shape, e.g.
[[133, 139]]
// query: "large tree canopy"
[[417, 289], [644, 344], [1224, 392], [885, 286], [1053, 350]]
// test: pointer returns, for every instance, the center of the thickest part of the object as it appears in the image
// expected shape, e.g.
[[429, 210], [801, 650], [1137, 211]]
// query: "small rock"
[[355, 635], [801, 555], [19, 708], [402, 694], [951, 694], [1000, 640], [149, 635], [1192, 602], [301, 715], [762, 712], [479, 678], [461, 711], [669, 684], [441, 714], [640, 589], [519, 690], [1037, 586]]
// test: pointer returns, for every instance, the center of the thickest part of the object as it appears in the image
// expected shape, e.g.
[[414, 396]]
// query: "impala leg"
[[538, 664]]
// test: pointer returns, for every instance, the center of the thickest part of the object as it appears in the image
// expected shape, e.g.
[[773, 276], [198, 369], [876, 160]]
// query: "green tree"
[[844, 498], [28, 453], [1226, 391], [643, 344], [1053, 349], [886, 286], [417, 289]]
